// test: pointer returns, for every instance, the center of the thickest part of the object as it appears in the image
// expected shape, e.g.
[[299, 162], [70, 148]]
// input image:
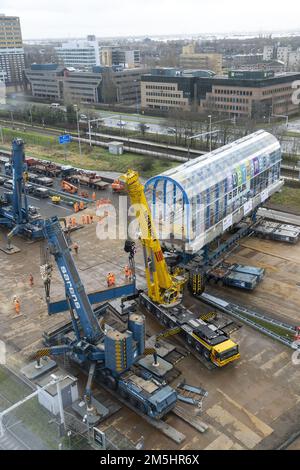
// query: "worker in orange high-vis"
[[127, 273], [76, 207], [17, 305], [88, 220], [73, 221], [83, 219], [112, 280], [81, 205], [31, 283], [92, 219], [94, 196], [76, 248]]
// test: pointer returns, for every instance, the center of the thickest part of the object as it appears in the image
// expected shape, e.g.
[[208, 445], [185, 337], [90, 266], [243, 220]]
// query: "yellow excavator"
[[163, 288]]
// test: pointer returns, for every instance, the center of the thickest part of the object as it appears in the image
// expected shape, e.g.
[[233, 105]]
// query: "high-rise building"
[[11, 50], [83, 55]]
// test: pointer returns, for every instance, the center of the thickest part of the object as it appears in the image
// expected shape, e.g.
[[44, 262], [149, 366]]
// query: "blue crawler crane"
[[108, 354], [15, 213]]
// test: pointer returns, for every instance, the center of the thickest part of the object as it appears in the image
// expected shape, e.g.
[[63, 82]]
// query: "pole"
[[2, 139], [78, 131], [60, 405], [12, 119], [90, 135], [30, 112]]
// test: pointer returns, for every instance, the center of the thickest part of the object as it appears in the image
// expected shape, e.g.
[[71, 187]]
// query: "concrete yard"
[[252, 404]]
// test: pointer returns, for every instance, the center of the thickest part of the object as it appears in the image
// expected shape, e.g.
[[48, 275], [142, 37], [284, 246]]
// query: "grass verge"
[[93, 158]]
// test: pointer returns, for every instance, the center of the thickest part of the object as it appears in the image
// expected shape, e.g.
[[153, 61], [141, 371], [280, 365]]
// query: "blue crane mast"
[[15, 213]]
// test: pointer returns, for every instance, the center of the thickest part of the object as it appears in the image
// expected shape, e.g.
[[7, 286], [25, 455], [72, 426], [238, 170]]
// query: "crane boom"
[[75, 291], [163, 287]]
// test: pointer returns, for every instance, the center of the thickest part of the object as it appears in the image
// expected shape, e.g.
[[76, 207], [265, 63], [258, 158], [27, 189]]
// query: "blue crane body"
[[15, 213], [109, 354]]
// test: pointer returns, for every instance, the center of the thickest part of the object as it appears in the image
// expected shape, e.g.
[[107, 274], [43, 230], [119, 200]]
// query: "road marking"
[[235, 427], [261, 427], [223, 442], [59, 207], [279, 358]]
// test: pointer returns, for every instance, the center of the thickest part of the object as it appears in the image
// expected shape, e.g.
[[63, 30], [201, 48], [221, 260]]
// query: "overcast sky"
[[77, 18]]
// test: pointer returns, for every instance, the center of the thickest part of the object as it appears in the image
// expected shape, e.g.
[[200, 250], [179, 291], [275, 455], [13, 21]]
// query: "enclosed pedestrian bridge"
[[196, 202]]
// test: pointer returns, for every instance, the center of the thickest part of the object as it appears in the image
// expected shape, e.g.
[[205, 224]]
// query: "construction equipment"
[[108, 354], [165, 290], [277, 231], [163, 287], [68, 187], [118, 186], [15, 213], [56, 199]]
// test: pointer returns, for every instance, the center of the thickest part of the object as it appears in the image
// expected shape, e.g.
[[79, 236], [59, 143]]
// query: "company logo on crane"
[[70, 286]]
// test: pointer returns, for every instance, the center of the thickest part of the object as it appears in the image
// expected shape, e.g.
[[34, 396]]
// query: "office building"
[[45, 81], [248, 93], [189, 59], [251, 93], [110, 85], [116, 56], [83, 55], [11, 50]]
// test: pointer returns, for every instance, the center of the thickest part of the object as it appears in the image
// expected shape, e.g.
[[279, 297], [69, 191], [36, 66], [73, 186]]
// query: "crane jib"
[[69, 287]]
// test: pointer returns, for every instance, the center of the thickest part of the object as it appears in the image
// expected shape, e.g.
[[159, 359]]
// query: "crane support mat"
[[159, 370], [10, 251], [101, 411], [32, 372], [162, 349]]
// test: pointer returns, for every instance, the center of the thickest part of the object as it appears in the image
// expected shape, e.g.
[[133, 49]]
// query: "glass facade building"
[[196, 202]]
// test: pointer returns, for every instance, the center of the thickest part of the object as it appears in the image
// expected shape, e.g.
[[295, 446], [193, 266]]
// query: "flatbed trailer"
[[45, 169], [277, 231]]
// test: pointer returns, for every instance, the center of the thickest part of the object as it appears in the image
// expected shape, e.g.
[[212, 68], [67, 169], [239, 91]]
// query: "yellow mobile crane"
[[163, 287], [165, 290]]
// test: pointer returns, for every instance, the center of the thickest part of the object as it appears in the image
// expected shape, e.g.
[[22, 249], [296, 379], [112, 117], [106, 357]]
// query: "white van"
[[54, 105]]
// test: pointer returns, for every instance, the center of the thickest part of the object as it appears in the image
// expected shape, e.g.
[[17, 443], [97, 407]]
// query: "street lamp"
[[30, 112], [78, 129], [199, 135]]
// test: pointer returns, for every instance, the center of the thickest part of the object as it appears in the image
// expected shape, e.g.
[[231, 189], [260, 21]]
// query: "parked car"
[[41, 192], [8, 184]]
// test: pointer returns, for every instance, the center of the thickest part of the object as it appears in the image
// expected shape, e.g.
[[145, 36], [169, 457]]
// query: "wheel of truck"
[[211, 281], [220, 283]]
